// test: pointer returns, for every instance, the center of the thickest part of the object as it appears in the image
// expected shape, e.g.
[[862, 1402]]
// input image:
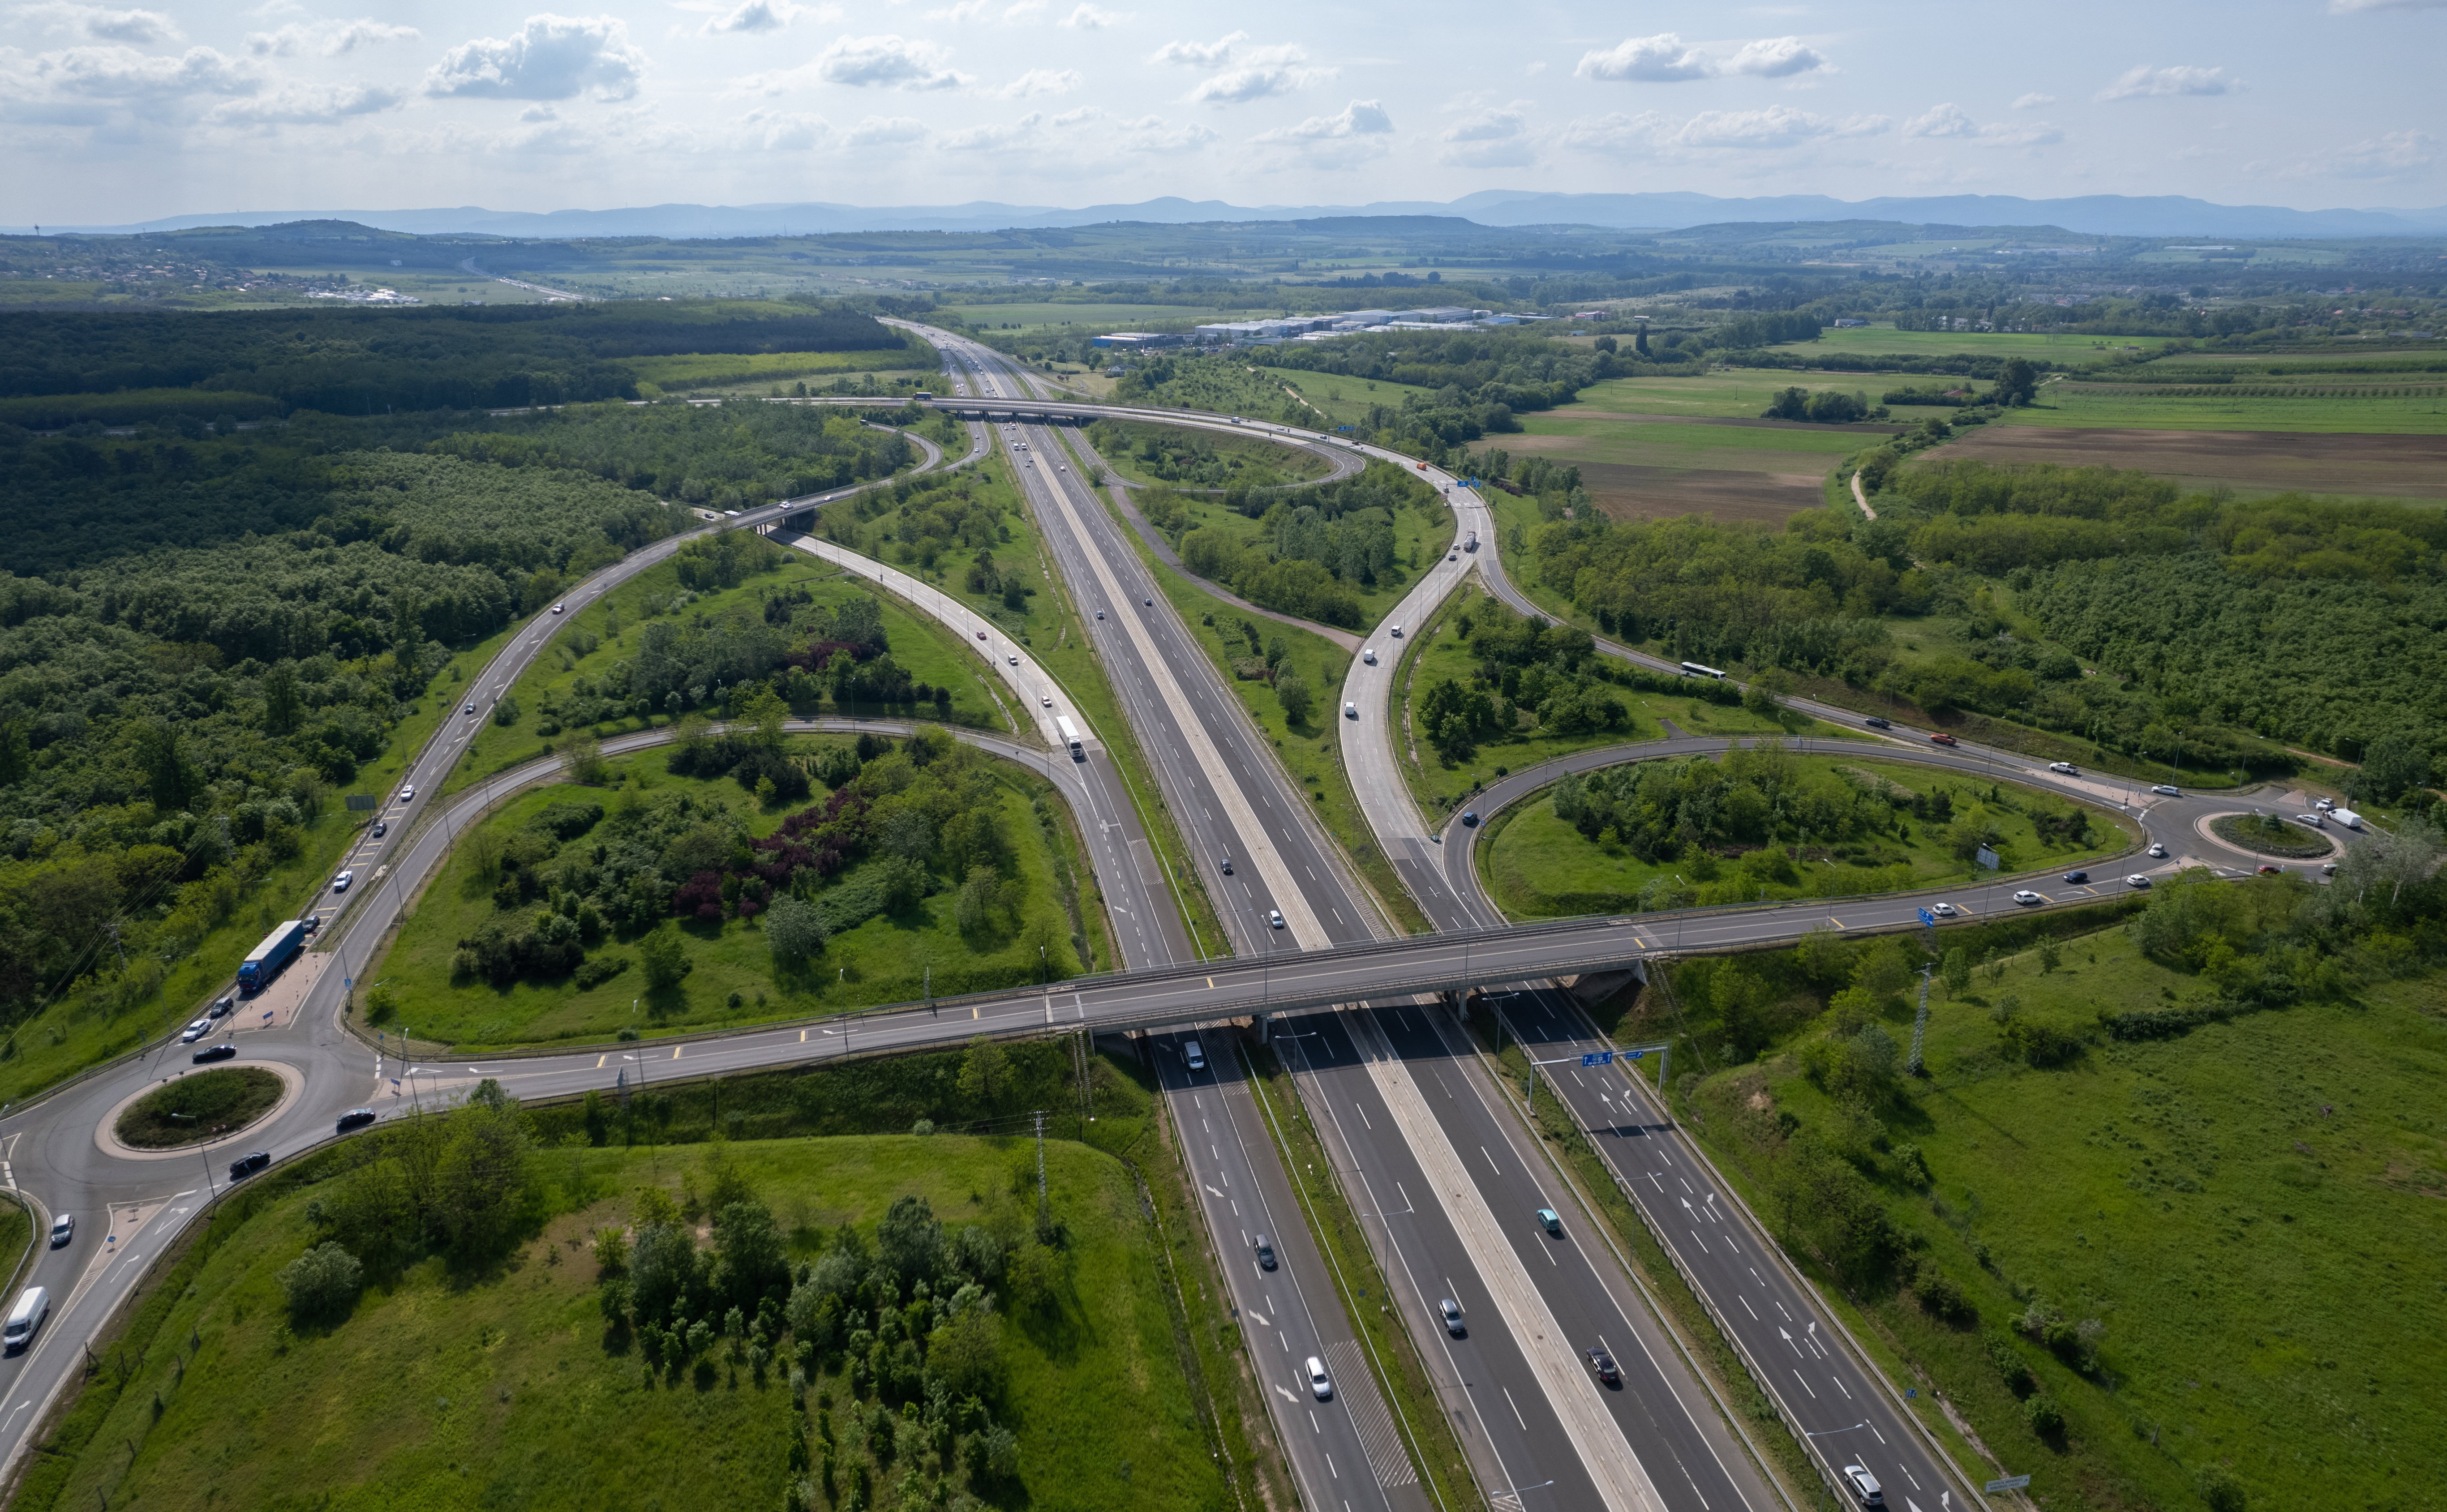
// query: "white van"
[[1368, 654], [1349, 711], [33, 1305], [1192, 1056], [1397, 633]]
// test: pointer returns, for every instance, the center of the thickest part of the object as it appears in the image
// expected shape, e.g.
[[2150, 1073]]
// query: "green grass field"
[[1246, 460], [1734, 393], [888, 959], [502, 1388], [1884, 341], [2318, 404], [926, 649], [2252, 1210], [1567, 437], [1536, 867], [717, 369]]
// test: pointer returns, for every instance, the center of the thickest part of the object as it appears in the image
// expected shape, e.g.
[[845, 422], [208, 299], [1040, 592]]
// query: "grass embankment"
[[1438, 651], [1425, 1430], [1186, 458], [733, 977], [502, 1382], [85, 1028], [1536, 865], [582, 672], [198, 1107], [924, 542], [2257, 1250], [1309, 749]]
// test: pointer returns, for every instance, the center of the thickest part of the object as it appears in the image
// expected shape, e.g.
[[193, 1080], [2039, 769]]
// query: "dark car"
[[1266, 1248], [223, 1052], [1602, 1362], [221, 1005], [1875, 723], [357, 1118], [1470, 821], [381, 827], [246, 1166], [2269, 871], [1228, 865], [2077, 877]]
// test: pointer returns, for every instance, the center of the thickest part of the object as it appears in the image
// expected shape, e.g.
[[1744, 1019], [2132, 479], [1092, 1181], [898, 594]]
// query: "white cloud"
[[103, 23], [1493, 138], [1088, 18], [307, 105], [551, 58], [1361, 118], [1262, 71], [1942, 120], [888, 61], [1614, 132], [1042, 81], [1660, 58], [961, 11], [1020, 10], [1775, 126], [2182, 79], [765, 15], [534, 113], [1951, 121], [1031, 132], [2034, 101], [123, 73], [1157, 135], [2392, 156], [1777, 58], [1198, 54], [886, 131], [329, 39]]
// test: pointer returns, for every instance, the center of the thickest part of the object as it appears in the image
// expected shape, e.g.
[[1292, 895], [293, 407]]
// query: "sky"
[[111, 115]]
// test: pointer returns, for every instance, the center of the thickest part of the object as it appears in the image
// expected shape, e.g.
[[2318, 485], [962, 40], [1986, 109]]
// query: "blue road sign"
[[1635, 1054], [1600, 1058], [1928, 918]]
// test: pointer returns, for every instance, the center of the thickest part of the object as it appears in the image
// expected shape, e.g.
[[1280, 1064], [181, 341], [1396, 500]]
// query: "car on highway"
[[1368, 654], [1275, 918], [2064, 768], [246, 1166], [2137, 879], [1450, 1311], [1100, 614], [1047, 699], [1396, 633], [195, 1032], [2157, 850], [357, 1118], [1265, 1248], [1319, 1383], [2268, 871], [2076, 878], [408, 794], [2166, 790], [472, 708], [62, 1230], [381, 827], [340, 884], [1149, 603], [1873, 722], [2328, 868], [2026, 898], [33, 1305], [1192, 1056], [981, 634], [1547, 1221], [223, 1052], [1452, 555], [1470, 821], [1228, 865], [1942, 910], [1014, 660], [558, 608], [1350, 709], [1864, 1486], [1603, 1365], [2325, 805], [1941, 738], [220, 1005]]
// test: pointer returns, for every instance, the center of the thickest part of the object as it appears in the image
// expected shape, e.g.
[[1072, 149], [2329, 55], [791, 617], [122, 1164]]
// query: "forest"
[[1309, 545], [368, 361], [2103, 604]]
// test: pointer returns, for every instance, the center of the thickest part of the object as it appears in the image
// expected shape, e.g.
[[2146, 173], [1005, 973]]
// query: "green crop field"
[[1538, 866], [1732, 393], [1884, 341], [501, 1385], [2251, 1212], [734, 976], [2383, 404]]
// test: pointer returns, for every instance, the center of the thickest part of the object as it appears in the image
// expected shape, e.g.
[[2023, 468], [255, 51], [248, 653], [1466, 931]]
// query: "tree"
[[750, 1252], [967, 1352], [2018, 383], [664, 955], [906, 834], [322, 1284], [985, 1073], [661, 1265], [481, 1179], [2392, 764], [1957, 971], [169, 776], [581, 757], [793, 930], [1292, 691], [281, 706], [766, 710], [910, 1240]]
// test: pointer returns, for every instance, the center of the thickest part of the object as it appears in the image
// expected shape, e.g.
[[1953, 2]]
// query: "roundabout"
[[228, 1100]]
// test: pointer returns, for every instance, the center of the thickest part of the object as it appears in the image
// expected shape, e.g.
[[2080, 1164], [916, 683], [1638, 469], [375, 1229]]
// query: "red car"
[[1942, 740], [981, 634], [2268, 871]]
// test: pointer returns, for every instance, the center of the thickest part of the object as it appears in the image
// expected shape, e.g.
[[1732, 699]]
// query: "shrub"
[[2045, 1418], [2219, 1490], [596, 970], [322, 1283], [1941, 1297], [2011, 1366]]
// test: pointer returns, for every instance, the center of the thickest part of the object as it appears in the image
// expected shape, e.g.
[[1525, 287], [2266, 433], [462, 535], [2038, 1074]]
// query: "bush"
[[596, 970], [2011, 1366], [2219, 1490], [2045, 1418], [322, 1284]]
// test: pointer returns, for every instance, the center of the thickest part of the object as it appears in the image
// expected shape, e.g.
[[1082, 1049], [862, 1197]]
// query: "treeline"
[[365, 362]]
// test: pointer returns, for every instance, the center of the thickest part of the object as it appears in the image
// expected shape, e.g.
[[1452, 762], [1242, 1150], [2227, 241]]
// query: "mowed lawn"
[[1536, 867], [2254, 1211], [502, 1389], [732, 978]]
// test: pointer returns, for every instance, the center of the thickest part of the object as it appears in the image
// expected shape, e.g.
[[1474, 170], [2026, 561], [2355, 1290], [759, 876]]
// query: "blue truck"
[[255, 972]]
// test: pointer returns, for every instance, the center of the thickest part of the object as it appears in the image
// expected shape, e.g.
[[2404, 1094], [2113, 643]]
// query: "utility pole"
[[1044, 1216], [1920, 1026]]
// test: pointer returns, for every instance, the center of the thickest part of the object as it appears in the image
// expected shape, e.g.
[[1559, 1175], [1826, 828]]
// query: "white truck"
[[1070, 737], [1470, 540]]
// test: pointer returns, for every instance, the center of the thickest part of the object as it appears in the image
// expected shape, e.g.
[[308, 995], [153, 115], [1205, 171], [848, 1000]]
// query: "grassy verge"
[[1200, 458], [2270, 835], [1427, 1432]]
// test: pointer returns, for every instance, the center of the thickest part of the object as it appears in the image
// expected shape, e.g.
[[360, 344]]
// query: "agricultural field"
[[1885, 834], [2205, 1274], [1728, 393], [2402, 462], [1884, 341], [1727, 469], [446, 1382], [480, 964]]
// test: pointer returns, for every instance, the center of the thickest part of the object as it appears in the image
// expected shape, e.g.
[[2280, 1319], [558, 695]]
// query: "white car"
[[2312, 819], [408, 794], [340, 884], [2026, 898], [1942, 910], [2325, 805], [1368, 654], [2167, 790], [63, 1229], [2156, 851], [2064, 768], [2137, 879], [1319, 1383], [1275, 918], [558, 608], [195, 1031], [1047, 699], [1014, 661]]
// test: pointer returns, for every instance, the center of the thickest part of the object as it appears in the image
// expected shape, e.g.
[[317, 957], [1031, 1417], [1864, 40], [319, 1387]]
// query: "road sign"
[[1986, 857], [1928, 918], [1635, 1054], [362, 803], [2011, 1482], [1598, 1058]]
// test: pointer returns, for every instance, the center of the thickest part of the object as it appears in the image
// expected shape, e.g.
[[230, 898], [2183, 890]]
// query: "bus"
[[1695, 669], [1070, 737]]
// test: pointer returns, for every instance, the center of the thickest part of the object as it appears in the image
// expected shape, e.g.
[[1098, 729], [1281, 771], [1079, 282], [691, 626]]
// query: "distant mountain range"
[[2097, 214]]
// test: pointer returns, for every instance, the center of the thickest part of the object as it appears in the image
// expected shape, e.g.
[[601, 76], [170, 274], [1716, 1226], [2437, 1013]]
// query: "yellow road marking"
[[1210, 981], [600, 1058], [973, 1010], [802, 1036], [1837, 923], [675, 1053]]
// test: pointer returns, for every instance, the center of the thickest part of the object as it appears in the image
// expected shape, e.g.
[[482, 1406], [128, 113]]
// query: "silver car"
[[195, 1031], [1318, 1382], [1450, 1311]]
